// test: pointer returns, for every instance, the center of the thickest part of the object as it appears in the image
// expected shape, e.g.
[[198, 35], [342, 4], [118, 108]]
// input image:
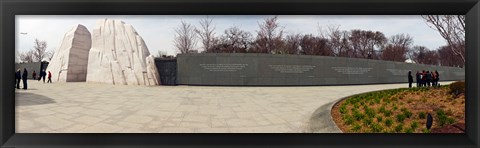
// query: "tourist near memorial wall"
[[114, 53]]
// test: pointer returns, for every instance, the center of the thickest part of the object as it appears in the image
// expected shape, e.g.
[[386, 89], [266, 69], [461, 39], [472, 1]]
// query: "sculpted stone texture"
[[119, 56], [69, 63], [152, 71]]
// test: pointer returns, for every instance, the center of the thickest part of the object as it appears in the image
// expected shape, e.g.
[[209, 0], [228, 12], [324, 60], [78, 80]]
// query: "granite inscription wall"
[[287, 70]]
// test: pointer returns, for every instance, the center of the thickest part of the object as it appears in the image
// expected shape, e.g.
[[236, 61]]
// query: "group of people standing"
[[424, 78], [23, 76]]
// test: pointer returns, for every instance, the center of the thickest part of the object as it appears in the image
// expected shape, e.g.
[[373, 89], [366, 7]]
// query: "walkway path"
[[100, 108]]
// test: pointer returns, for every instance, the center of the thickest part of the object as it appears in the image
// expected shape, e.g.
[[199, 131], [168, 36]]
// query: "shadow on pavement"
[[28, 99]]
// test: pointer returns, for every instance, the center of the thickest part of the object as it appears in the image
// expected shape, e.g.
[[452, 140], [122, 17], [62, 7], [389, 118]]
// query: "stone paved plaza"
[[100, 108]]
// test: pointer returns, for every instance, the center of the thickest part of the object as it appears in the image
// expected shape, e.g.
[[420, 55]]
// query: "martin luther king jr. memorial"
[[253, 69]]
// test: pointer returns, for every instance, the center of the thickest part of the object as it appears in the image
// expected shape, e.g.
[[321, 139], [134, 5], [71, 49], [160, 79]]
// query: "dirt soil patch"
[[402, 111]]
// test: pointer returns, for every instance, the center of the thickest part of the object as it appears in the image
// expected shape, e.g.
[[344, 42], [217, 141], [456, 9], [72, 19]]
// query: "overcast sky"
[[158, 30]]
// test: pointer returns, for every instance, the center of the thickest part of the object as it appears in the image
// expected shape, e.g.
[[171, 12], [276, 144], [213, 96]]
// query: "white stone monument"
[[69, 63], [119, 56]]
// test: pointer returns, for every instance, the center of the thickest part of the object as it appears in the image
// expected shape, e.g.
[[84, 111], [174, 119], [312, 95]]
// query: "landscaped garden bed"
[[403, 110]]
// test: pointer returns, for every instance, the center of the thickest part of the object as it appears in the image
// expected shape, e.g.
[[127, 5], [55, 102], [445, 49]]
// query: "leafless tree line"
[[37, 54], [331, 41]]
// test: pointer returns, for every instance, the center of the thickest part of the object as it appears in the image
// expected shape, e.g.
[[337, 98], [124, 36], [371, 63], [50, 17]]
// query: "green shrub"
[[377, 100], [367, 121], [382, 109], [414, 125], [343, 109], [399, 128], [450, 120], [422, 115], [370, 112], [442, 117], [384, 99], [376, 128], [388, 113], [395, 99], [409, 130], [407, 114], [457, 88], [426, 130], [348, 119], [379, 119], [400, 117], [387, 101], [353, 110], [388, 122], [362, 103], [356, 128], [356, 105], [358, 116]]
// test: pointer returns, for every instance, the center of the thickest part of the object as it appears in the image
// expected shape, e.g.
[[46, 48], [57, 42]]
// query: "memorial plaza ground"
[[100, 108]]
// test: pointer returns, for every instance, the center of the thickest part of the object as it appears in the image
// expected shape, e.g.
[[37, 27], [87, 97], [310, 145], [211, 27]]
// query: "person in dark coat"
[[24, 78], [438, 77], [410, 79], [429, 78], [18, 77], [43, 73], [49, 77], [418, 78]]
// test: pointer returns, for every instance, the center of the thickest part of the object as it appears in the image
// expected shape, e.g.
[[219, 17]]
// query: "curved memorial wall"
[[286, 70]]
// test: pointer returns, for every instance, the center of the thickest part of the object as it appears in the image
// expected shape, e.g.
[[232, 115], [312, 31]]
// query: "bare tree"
[[269, 36], [27, 57], [423, 55], [206, 33], [364, 43], [39, 50], [452, 29], [184, 39], [234, 40], [49, 54], [312, 45], [338, 40], [446, 59], [397, 48], [292, 44]]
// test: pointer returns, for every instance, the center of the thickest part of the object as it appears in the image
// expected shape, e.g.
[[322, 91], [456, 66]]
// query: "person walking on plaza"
[[49, 77], [24, 78], [18, 77], [410, 79], [43, 74], [34, 75]]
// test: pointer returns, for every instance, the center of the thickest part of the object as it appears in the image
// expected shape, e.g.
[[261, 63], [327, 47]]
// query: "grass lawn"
[[401, 110]]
